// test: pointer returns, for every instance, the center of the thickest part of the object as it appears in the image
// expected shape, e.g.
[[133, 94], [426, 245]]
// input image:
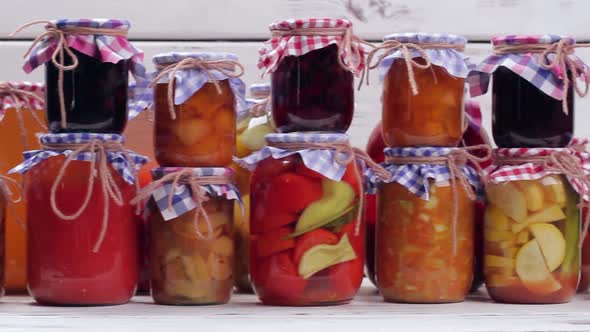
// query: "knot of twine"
[[390, 46], [52, 31], [561, 162], [261, 108], [99, 168], [10, 197], [20, 96], [195, 182], [561, 61], [344, 154], [454, 161], [226, 67], [346, 49]]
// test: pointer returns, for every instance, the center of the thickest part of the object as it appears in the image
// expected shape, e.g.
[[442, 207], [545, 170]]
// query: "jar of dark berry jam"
[[312, 82], [532, 99], [87, 75]]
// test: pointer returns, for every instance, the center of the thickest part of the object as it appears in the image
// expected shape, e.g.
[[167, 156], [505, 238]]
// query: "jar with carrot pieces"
[[82, 232], [425, 219], [306, 231], [192, 249], [532, 225], [423, 78], [312, 63], [196, 97]]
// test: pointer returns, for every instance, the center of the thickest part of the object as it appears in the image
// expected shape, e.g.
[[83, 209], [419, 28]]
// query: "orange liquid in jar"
[[11, 154]]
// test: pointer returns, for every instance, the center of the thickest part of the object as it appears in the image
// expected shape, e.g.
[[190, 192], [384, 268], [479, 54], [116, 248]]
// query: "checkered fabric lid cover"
[[182, 201], [320, 160], [102, 47], [529, 171], [455, 62], [276, 48], [416, 177], [134, 103], [117, 160], [261, 89], [7, 102], [189, 81], [525, 65]]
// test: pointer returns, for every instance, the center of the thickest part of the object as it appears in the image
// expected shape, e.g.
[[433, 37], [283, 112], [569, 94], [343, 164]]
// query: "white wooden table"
[[367, 313]]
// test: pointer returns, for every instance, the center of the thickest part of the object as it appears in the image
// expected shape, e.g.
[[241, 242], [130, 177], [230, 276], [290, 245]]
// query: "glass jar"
[[95, 95], [532, 234], [203, 132], [434, 115], [524, 116], [416, 260], [585, 268], [187, 269], [32, 121], [76, 248], [312, 92], [3, 201], [306, 243]]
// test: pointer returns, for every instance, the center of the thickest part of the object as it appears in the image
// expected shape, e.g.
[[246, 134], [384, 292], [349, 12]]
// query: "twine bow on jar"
[[19, 97], [59, 34], [99, 168], [187, 177], [454, 161], [561, 162], [561, 62], [346, 51], [390, 46], [227, 67]]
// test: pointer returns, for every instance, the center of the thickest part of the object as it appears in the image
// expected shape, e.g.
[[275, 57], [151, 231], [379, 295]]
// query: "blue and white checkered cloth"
[[182, 201], [190, 81], [319, 160], [135, 104], [456, 63], [416, 177], [117, 160]]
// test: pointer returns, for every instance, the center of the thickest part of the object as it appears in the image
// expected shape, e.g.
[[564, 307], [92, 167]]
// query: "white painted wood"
[[368, 100], [366, 313], [239, 19]]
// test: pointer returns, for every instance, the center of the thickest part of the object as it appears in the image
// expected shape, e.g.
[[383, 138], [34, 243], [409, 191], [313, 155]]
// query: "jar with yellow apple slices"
[[533, 226], [425, 221], [196, 97], [306, 234], [192, 249]]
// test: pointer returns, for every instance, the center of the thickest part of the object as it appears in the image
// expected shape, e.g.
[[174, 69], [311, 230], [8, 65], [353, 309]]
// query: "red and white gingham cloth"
[[528, 171], [276, 48], [102, 47], [7, 102]]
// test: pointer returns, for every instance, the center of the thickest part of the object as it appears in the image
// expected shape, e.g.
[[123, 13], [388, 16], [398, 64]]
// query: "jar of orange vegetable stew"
[[81, 228], [313, 63], [307, 237], [423, 85], [532, 225], [192, 250], [425, 217], [196, 98]]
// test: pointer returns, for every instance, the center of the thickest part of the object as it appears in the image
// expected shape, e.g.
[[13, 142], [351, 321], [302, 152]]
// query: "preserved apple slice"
[[549, 214], [534, 193], [509, 199], [496, 219], [551, 242], [532, 270]]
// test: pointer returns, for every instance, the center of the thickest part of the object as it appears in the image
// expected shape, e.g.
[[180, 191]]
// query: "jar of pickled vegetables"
[[306, 234], [532, 226], [78, 188], [534, 79], [313, 63], [423, 86], [196, 97], [192, 250], [22, 117], [86, 73], [425, 217]]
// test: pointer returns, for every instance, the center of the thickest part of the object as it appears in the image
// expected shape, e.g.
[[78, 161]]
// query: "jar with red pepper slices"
[[425, 216], [313, 63], [307, 237], [81, 228], [87, 64]]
